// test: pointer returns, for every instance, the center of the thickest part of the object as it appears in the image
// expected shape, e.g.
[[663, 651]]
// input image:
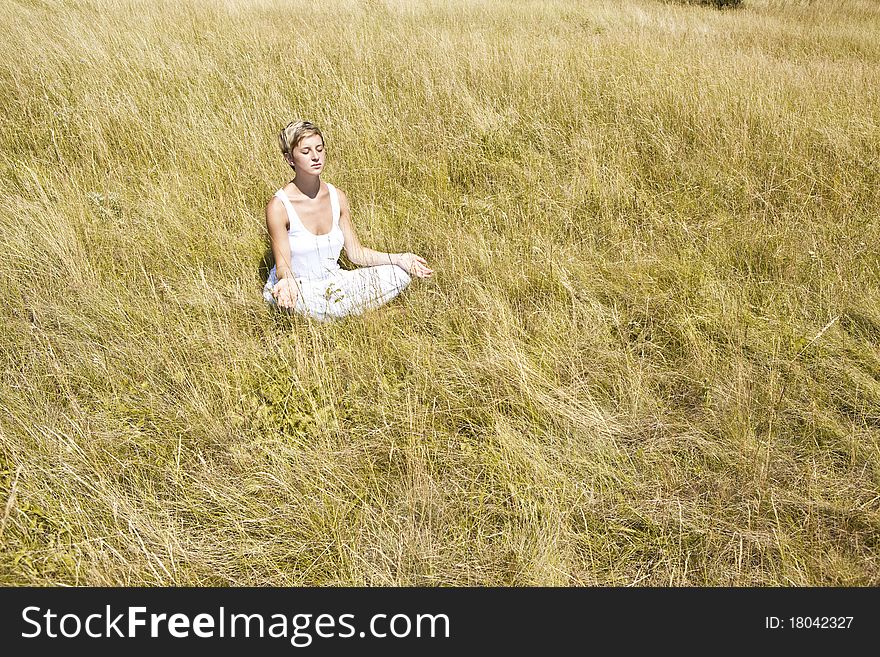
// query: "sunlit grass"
[[650, 354]]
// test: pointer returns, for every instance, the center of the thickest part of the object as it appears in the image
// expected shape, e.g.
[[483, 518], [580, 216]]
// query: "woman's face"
[[308, 155]]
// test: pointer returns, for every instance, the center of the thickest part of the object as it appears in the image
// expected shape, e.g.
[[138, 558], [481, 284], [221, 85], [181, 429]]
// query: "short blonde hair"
[[294, 132]]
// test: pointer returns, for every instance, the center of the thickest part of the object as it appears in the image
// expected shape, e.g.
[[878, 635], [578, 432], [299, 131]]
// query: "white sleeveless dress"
[[326, 291]]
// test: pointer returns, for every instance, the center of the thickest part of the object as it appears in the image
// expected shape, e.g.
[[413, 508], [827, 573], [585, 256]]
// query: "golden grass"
[[650, 354]]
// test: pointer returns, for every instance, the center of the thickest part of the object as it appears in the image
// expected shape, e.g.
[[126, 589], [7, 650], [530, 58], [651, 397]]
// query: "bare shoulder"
[[276, 212], [343, 199], [274, 206]]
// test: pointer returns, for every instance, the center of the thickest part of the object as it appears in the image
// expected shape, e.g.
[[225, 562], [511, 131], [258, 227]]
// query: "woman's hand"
[[413, 265], [285, 293]]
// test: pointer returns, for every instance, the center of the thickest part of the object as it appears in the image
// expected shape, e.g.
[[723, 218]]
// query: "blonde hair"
[[294, 132]]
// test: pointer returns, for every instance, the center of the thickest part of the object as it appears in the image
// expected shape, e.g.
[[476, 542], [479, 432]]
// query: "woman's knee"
[[401, 276]]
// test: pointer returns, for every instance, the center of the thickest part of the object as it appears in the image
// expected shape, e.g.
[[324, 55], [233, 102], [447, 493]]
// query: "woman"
[[309, 223]]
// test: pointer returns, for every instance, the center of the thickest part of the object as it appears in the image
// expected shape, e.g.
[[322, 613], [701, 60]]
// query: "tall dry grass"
[[650, 354]]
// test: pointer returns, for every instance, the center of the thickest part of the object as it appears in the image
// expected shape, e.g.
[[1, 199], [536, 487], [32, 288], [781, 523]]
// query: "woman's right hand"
[[285, 293]]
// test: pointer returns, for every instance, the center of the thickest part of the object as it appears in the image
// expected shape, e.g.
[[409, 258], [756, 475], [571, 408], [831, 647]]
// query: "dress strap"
[[334, 203], [292, 216]]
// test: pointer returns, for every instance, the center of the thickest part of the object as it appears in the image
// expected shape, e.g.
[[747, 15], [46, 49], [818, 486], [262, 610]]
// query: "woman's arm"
[[364, 257], [276, 222]]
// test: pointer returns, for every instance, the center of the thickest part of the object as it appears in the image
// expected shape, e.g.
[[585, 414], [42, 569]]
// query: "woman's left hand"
[[414, 265]]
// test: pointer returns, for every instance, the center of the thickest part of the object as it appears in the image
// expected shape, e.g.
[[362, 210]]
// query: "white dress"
[[326, 291]]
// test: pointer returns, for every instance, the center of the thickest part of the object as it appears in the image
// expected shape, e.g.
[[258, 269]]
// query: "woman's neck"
[[308, 184]]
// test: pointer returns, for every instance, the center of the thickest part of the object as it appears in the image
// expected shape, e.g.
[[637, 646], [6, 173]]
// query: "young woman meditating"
[[309, 224]]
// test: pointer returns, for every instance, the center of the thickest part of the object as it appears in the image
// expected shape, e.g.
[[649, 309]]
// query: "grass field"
[[650, 354]]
